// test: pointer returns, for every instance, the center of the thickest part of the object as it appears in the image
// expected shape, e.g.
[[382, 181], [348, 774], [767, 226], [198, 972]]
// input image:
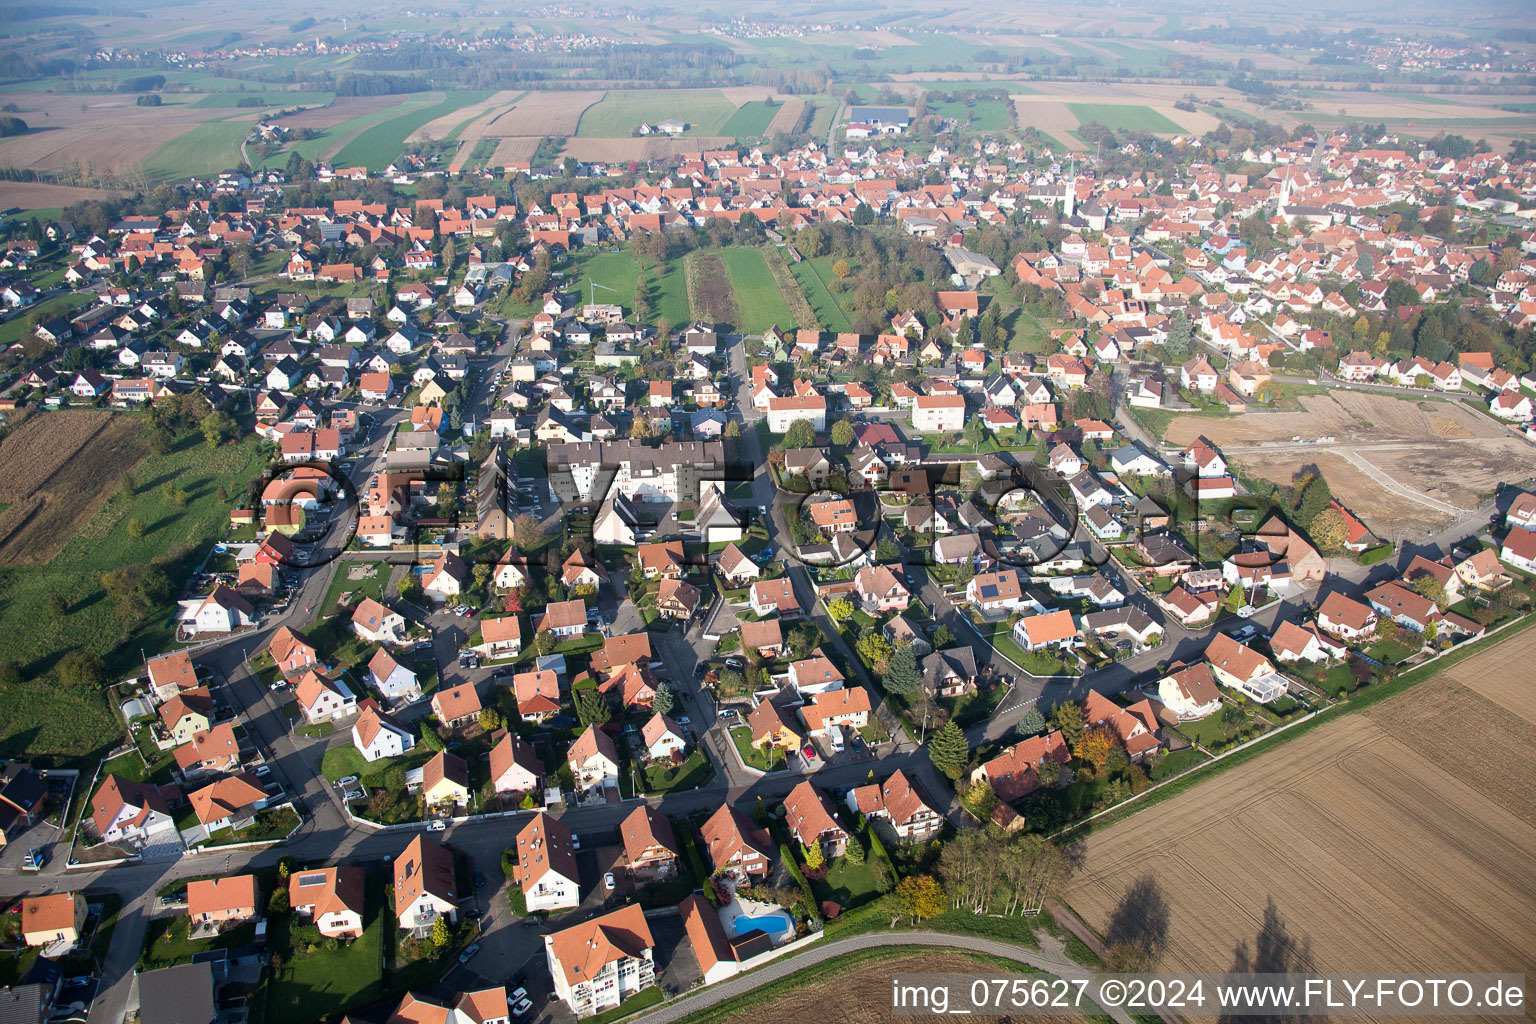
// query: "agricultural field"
[[203, 151], [1123, 117], [74, 462], [760, 304], [813, 275], [860, 986], [618, 114], [1400, 838], [380, 145], [1389, 450], [751, 120], [710, 296], [274, 98]]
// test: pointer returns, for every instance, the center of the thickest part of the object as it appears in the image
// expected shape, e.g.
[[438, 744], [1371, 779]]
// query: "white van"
[[835, 737]]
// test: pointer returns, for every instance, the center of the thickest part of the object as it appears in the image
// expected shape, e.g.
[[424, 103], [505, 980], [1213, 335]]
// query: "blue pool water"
[[773, 924]]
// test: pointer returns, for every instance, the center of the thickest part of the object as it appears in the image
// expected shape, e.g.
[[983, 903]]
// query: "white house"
[[1190, 692], [377, 736], [546, 865], [662, 736], [392, 679]]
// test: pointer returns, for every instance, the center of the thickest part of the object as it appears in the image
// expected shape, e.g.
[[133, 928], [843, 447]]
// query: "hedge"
[[691, 851]]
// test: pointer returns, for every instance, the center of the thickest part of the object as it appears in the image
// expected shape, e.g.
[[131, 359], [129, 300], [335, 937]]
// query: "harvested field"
[[1059, 108], [1400, 839], [110, 134], [48, 489], [709, 288], [31, 195], [1439, 449], [442, 127], [788, 116], [343, 108], [538, 114], [858, 991], [512, 151]]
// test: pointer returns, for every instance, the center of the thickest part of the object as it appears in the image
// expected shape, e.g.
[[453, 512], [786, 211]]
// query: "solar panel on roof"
[[989, 591]]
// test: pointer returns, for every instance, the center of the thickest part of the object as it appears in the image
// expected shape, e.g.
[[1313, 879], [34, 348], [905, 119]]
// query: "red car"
[[808, 752]]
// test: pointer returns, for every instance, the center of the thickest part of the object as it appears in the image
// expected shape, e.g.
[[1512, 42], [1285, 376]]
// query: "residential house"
[[212, 902], [330, 898], [377, 736], [377, 624], [847, 708], [810, 819], [546, 865], [424, 886], [324, 700], [1346, 618], [599, 963], [950, 672], [1244, 669], [593, 760], [229, 802], [1024, 767], [1048, 629], [774, 597], [124, 811], [770, 730], [213, 751], [662, 737], [1134, 727], [737, 848], [514, 767], [392, 680], [651, 851], [1189, 691], [458, 706], [53, 919], [899, 803], [881, 590]]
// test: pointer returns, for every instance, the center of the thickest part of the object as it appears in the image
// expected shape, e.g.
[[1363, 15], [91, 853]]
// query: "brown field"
[[49, 490], [515, 149], [787, 116], [1441, 450], [1401, 839], [538, 114], [648, 148], [439, 128], [861, 994], [343, 108], [709, 289], [111, 133], [32, 195]]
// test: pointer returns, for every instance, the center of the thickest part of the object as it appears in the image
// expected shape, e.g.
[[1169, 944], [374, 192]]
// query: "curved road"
[[678, 1009]]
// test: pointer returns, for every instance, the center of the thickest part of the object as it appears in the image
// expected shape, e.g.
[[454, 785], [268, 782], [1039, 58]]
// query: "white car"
[[609, 882], [438, 825]]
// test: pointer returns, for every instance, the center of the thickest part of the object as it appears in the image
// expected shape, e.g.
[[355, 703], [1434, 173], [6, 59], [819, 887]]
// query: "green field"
[[40, 717], [613, 273], [273, 98], [669, 295], [379, 146], [751, 120], [1119, 117], [15, 329], [758, 299], [1141, 57], [813, 275], [978, 85], [328, 138], [618, 114], [205, 150], [981, 115]]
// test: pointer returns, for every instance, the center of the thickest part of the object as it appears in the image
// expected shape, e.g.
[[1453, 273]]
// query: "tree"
[[874, 648], [1426, 585], [592, 707], [527, 532], [1094, 747], [81, 670], [943, 636], [949, 750], [814, 857], [440, 931], [1329, 530], [217, 428], [489, 719], [58, 606], [665, 700], [842, 433], [640, 428], [901, 675], [544, 642], [800, 435], [975, 432], [840, 608], [841, 268], [136, 529], [1067, 718], [10, 675], [921, 897], [450, 253], [1033, 722]]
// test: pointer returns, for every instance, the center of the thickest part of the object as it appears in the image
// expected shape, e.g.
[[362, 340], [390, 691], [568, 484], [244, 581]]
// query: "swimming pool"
[[773, 924]]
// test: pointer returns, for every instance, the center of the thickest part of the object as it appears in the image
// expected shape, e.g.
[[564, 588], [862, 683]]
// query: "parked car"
[[575, 841], [263, 769], [608, 881], [479, 879], [469, 953], [808, 752], [1245, 633], [79, 980], [438, 825], [354, 794], [522, 1008], [349, 780]]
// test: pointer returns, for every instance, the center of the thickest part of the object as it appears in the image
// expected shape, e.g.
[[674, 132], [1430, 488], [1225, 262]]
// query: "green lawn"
[[612, 273], [340, 761], [618, 114], [661, 777], [368, 586], [1124, 117], [979, 115], [40, 718], [848, 883], [813, 275], [323, 983], [166, 943], [758, 298], [379, 146], [751, 120], [669, 291], [205, 150], [14, 330], [754, 758]]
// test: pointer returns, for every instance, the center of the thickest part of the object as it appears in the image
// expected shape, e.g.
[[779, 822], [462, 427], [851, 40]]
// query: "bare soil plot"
[[540, 114], [34, 195], [59, 468], [441, 127], [861, 993], [98, 132], [1396, 840], [343, 108], [1440, 449], [1502, 675], [513, 150], [787, 117]]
